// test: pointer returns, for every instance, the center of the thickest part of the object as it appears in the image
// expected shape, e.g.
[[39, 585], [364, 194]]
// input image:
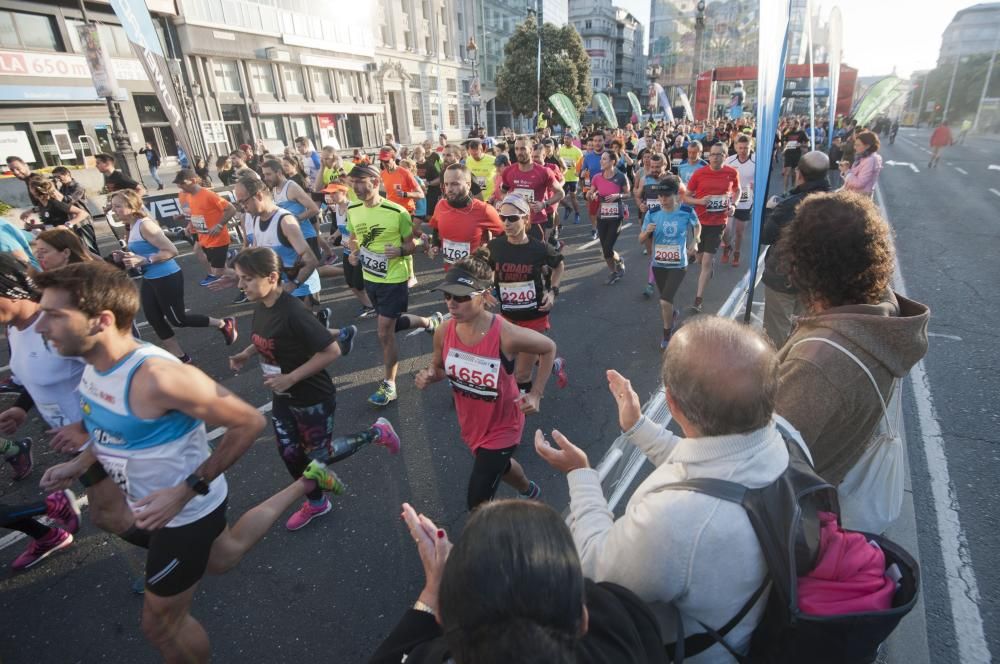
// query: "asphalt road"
[[336, 588], [947, 235]]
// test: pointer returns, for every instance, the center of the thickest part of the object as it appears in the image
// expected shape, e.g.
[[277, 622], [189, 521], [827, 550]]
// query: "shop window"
[[23, 30]]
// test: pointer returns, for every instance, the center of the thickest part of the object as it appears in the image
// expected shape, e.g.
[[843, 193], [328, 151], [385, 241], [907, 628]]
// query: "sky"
[[878, 34]]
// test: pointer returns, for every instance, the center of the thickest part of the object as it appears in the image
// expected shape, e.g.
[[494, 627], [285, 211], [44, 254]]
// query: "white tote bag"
[[871, 494]]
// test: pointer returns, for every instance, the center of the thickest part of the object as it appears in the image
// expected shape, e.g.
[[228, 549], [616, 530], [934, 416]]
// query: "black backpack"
[[785, 520]]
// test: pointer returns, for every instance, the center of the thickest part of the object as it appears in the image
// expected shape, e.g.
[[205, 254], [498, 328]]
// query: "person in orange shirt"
[[400, 185], [208, 216], [461, 223]]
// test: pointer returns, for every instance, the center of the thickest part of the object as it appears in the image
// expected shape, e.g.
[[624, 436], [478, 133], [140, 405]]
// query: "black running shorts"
[[177, 557], [711, 238], [668, 280]]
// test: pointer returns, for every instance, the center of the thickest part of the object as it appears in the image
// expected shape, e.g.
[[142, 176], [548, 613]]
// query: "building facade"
[[973, 31], [50, 113]]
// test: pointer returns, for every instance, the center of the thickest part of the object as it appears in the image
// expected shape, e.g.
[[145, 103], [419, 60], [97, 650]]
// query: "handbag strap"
[[881, 400]]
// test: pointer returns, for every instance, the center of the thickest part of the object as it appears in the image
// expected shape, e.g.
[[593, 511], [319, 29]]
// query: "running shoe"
[[736, 259], [664, 343], [562, 245], [645, 251], [302, 516], [385, 394], [241, 298], [366, 312], [323, 316], [346, 340], [9, 386], [332, 259], [648, 291], [559, 370], [22, 462], [209, 279], [725, 253], [593, 234], [435, 319], [324, 477], [387, 436], [228, 329], [576, 218], [613, 278], [533, 492], [231, 255], [620, 266], [186, 359], [40, 549], [61, 507]]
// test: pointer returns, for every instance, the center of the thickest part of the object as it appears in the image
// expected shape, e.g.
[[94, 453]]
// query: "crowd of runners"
[[132, 418]]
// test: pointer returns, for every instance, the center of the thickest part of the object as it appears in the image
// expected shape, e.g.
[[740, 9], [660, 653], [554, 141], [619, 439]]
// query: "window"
[[588, 24], [321, 84], [292, 77], [416, 111], [427, 45], [432, 82], [343, 85], [227, 76], [112, 37], [452, 113], [452, 85], [20, 30], [597, 83], [262, 78]]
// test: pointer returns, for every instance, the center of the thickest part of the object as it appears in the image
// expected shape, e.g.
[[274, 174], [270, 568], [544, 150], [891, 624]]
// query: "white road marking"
[[903, 163], [217, 432], [995, 191], [962, 170], [944, 336], [963, 589], [993, 167]]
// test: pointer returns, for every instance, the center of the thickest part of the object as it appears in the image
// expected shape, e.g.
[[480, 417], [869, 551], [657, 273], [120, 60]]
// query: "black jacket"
[[621, 629], [775, 267]]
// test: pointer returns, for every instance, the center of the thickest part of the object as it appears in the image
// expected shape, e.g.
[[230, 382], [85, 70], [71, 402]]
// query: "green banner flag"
[[564, 107], [636, 106], [602, 103], [877, 98]]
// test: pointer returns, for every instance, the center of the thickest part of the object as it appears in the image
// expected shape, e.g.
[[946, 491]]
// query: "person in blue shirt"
[[693, 162], [17, 242], [675, 231]]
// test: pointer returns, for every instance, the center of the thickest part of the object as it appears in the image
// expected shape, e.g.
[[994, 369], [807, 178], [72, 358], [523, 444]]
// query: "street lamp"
[[699, 36], [475, 96], [951, 86], [536, 11]]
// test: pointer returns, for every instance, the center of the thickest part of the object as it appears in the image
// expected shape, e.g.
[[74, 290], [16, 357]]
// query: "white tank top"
[[50, 378], [746, 170]]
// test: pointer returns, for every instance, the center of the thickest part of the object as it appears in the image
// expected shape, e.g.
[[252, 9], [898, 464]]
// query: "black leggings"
[[163, 304], [488, 469], [19, 517], [607, 231]]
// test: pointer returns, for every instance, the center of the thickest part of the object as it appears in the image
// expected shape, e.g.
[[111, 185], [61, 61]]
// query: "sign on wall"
[[64, 144], [17, 143]]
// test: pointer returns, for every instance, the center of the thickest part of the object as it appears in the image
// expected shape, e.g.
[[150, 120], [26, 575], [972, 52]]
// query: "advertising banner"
[[634, 102], [564, 107], [603, 104], [834, 30], [98, 60]]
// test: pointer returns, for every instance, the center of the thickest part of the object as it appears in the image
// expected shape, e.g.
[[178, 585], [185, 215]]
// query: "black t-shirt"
[[117, 181], [515, 266], [800, 136], [287, 336], [56, 213], [432, 170]]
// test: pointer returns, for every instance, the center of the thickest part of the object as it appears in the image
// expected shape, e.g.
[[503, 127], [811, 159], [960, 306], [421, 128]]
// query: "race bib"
[[652, 205], [667, 254], [792, 145], [481, 182], [526, 194], [567, 163], [473, 375], [199, 223], [609, 211], [745, 196], [52, 414], [269, 369], [518, 296], [717, 203], [117, 469], [675, 163], [373, 263], [455, 251]]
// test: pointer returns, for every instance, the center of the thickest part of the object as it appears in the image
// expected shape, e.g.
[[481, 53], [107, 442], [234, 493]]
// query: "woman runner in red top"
[[475, 351]]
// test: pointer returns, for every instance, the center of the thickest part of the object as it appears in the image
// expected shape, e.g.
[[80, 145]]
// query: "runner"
[[461, 223], [295, 350], [336, 209], [589, 167], [114, 179], [381, 237], [667, 226], [54, 210], [400, 185], [795, 143], [293, 199], [745, 163], [940, 139], [207, 216], [693, 162], [648, 202], [482, 167], [712, 191], [526, 274], [162, 291], [609, 189], [570, 156], [59, 507], [164, 487], [474, 350], [531, 181]]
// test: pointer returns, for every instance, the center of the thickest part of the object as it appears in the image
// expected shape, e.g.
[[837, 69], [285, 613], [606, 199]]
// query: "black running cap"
[[15, 284], [459, 282], [666, 188]]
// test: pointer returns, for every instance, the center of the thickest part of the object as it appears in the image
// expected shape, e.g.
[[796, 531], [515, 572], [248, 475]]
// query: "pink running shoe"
[[559, 369], [61, 507], [387, 437], [22, 462], [307, 513], [40, 549]]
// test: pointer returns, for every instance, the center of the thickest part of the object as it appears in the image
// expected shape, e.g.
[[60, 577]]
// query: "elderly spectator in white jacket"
[[680, 550]]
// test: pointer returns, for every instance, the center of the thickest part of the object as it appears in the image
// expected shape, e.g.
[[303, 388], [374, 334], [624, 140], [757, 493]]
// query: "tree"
[[565, 67], [964, 95]]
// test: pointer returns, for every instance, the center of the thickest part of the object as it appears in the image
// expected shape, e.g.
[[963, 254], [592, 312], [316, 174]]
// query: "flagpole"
[[812, 77]]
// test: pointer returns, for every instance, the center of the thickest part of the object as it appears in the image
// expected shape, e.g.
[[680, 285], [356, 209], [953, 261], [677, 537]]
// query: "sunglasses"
[[461, 299], [510, 218]]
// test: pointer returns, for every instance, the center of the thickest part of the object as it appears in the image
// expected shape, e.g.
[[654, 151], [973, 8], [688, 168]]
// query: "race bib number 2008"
[[667, 254]]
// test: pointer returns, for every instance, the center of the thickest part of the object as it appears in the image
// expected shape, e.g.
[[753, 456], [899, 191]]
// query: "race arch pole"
[[812, 76], [772, 51]]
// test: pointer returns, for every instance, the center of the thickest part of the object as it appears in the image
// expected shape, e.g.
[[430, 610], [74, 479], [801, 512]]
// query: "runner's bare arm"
[[299, 195], [435, 371], [514, 339], [293, 232]]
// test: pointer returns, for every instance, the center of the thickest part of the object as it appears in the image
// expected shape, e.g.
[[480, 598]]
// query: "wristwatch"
[[197, 484], [555, 290]]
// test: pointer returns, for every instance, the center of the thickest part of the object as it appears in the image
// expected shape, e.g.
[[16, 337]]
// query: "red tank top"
[[484, 388]]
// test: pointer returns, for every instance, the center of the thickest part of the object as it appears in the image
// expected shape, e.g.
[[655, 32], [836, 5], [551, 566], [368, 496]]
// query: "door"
[[394, 105]]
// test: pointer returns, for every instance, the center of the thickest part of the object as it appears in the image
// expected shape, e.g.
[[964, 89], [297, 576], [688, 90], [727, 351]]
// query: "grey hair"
[[814, 165]]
